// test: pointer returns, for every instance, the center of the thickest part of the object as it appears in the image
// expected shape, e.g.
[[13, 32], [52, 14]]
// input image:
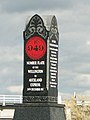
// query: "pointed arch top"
[[35, 27]]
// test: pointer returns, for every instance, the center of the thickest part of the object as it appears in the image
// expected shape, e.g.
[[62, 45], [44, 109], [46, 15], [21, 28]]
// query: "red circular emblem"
[[35, 48]]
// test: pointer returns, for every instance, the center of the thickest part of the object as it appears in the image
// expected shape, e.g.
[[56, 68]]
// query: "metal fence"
[[10, 99]]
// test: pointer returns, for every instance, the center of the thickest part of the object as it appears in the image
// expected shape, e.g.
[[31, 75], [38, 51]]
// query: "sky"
[[73, 18]]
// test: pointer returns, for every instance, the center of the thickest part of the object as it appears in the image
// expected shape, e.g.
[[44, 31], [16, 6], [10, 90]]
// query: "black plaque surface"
[[40, 61], [35, 57], [53, 59]]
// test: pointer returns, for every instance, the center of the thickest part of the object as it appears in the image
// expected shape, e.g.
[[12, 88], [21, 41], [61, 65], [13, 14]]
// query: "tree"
[[79, 111]]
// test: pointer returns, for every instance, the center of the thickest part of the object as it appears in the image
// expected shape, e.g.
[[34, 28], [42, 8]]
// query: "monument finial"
[[35, 27]]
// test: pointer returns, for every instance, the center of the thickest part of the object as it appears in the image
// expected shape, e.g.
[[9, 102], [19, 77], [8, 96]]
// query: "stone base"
[[39, 111]]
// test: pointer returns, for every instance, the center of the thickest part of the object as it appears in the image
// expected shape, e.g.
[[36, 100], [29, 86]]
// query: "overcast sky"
[[73, 18]]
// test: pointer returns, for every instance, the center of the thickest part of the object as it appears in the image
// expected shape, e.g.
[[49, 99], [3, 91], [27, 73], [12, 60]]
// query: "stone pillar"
[[39, 111], [40, 92]]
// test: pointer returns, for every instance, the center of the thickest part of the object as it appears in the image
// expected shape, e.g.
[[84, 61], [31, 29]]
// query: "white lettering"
[[35, 84], [53, 86], [35, 67], [53, 45], [52, 61], [35, 63], [53, 76], [53, 68], [35, 80], [35, 71], [53, 55], [53, 58], [35, 89], [53, 83], [53, 71], [53, 80], [53, 52], [53, 64], [53, 49], [53, 41]]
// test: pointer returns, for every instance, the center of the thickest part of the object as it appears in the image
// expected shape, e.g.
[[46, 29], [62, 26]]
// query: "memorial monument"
[[40, 83]]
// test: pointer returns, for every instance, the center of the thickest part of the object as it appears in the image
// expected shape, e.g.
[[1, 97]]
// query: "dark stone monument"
[[40, 92]]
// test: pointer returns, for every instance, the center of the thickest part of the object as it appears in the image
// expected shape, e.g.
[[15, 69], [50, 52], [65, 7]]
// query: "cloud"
[[73, 82], [64, 96], [10, 54], [22, 6], [83, 68], [88, 42], [10, 67], [12, 28], [83, 80], [15, 89], [87, 93], [74, 28]]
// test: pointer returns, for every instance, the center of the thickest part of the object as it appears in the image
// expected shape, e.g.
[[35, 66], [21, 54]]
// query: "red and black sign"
[[40, 64], [35, 58], [35, 48]]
